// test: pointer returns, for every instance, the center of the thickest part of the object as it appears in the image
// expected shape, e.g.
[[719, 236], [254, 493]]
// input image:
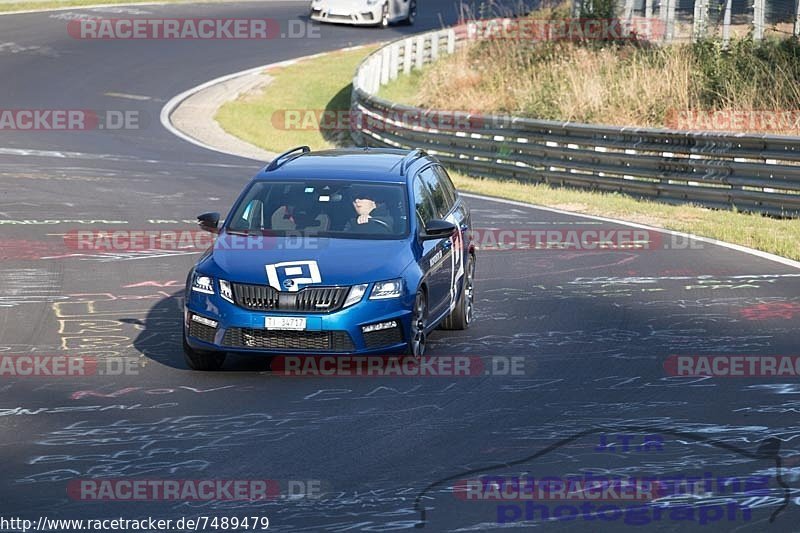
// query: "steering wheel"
[[382, 223]]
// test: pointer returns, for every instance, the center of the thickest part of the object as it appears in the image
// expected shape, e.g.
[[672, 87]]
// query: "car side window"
[[253, 216], [423, 202], [447, 185], [441, 203]]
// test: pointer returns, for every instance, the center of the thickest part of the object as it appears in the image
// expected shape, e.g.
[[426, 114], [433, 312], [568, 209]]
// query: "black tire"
[[419, 323], [202, 360], [412, 13], [461, 315], [384, 22]]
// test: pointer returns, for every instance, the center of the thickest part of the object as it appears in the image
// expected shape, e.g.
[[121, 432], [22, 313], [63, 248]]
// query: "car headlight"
[[225, 290], [355, 295], [202, 283], [392, 288]]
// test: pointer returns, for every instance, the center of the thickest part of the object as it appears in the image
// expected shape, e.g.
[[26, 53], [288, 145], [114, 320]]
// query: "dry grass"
[[618, 84], [563, 82]]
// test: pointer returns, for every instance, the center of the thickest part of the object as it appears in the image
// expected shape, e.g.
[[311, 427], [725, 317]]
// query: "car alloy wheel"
[[460, 317], [419, 322], [469, 291]]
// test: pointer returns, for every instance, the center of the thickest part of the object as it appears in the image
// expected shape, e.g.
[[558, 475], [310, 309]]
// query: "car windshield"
[[337, 209]]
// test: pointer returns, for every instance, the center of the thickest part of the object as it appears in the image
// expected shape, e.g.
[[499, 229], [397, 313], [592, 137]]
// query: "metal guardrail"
[[758, 173]]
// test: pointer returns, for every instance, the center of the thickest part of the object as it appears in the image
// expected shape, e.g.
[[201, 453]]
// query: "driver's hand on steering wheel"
[[363, 219]]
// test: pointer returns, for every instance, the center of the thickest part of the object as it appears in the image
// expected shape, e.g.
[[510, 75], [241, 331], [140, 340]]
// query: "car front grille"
[[201, 331], [258, 297], [308, 300], [346, 18], [329, 341], [384, 337]]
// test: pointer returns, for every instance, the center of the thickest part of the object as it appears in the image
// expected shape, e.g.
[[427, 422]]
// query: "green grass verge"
[[403, 89], [266, 118], [780, 237], [324, 83]]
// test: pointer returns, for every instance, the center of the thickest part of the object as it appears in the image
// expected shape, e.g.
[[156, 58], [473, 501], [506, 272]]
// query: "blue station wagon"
[[351, 251]]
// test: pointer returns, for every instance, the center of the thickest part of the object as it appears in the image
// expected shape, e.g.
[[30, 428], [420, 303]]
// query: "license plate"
[[285, 322]]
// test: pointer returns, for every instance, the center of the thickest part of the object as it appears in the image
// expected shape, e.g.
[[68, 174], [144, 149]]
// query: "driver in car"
[[371, 216]]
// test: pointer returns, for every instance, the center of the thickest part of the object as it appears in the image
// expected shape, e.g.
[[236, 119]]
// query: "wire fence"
[[692, 19]]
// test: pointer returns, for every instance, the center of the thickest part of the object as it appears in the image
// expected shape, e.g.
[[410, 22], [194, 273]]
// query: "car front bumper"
[[212, 323], [364, 16]]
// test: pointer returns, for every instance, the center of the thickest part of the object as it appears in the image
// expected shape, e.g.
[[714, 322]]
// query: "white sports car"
[[364, 12]]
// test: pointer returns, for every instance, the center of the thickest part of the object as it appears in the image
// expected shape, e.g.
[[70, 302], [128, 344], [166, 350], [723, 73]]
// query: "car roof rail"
[[287, 156], [410, 157]]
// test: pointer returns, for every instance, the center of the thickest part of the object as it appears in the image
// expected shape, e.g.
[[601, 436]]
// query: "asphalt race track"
[[594, 327]]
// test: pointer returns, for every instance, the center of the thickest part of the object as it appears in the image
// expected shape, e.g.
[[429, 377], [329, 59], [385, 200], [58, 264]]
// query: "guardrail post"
[[370, 68], [796, 31], [434, 47], [758, 20], [726, 24], [451, 41], [394, 61], [420, 58], [627, 12], [361, 76], [407, 59], [375, 71], [385, 60], [700, 23], [671, 20]]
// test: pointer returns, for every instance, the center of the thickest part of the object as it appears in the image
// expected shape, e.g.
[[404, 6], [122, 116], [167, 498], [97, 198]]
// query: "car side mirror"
[[438, 229], [209, 222]]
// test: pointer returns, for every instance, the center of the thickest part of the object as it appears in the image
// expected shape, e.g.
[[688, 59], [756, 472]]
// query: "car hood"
[[339, 261]]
